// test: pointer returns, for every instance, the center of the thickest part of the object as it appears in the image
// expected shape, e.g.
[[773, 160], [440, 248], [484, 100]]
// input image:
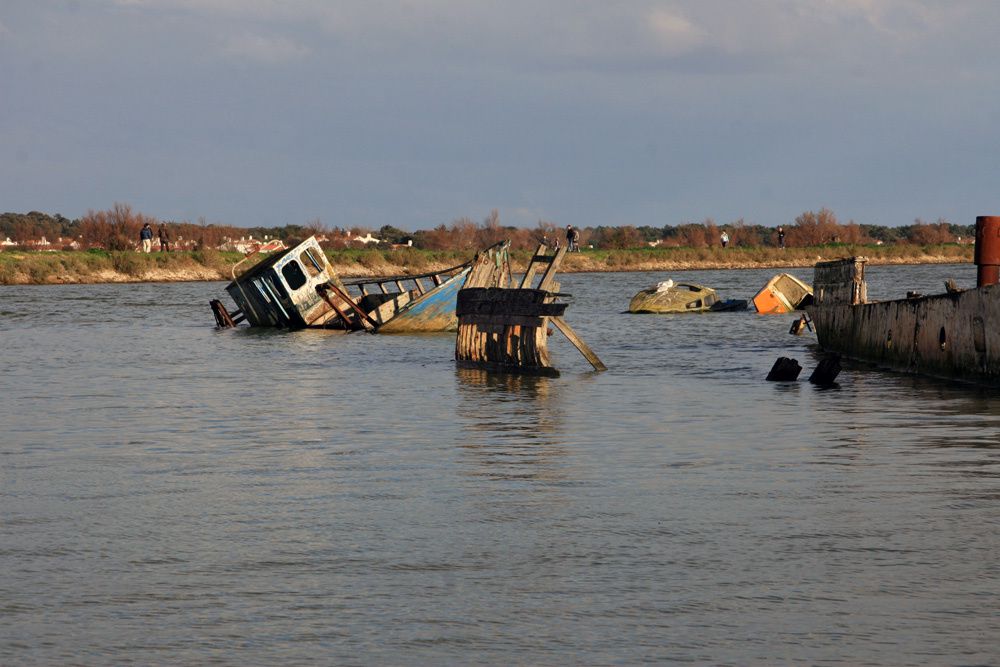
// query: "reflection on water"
[[176, 495], [513, 436]]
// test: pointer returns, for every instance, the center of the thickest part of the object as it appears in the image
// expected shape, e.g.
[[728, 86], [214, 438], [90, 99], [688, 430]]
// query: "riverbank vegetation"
[[102, 246], [97, 266]]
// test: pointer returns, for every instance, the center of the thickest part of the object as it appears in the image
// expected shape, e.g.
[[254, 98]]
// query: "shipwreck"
[[504, 328], [952, 335], [671, 297], [298, 288], [782, 294]]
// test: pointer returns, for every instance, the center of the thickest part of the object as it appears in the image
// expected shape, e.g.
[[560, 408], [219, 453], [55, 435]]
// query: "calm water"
[[171, 494]]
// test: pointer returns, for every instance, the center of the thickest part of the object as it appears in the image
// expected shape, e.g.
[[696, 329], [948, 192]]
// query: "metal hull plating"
[[952, 335]]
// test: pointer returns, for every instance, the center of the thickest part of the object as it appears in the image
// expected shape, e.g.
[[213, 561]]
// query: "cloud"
[[674, 32], [263, 49], [897, 37]]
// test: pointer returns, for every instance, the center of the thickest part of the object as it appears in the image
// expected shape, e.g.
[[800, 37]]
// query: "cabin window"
[[293, 275], [314, 265]]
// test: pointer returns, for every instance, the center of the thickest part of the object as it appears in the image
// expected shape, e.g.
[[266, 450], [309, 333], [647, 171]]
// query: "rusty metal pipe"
[[987, 256]]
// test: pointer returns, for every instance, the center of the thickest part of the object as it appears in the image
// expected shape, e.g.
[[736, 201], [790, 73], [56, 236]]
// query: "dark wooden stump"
[[827, 370], [505, 329], [784, 370]]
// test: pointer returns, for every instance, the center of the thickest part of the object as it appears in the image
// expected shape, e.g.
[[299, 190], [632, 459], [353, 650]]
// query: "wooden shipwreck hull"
[[298, 288], [505, 329], [952, 335]]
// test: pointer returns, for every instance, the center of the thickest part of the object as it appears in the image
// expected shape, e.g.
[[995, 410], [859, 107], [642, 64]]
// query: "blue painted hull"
[[433, 311]]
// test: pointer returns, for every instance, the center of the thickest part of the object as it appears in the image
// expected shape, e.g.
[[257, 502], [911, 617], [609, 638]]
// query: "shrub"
[[120, 243], [128, 263]]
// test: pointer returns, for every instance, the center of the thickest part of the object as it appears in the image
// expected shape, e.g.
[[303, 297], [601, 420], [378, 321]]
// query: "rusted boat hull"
[[951, 335]]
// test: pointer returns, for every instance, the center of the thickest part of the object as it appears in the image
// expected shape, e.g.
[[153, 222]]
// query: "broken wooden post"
[[784, 370], [506, 329], [827, 370]]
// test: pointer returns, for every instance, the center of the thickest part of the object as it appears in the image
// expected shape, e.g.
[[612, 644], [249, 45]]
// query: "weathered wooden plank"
[[585, 350], [500, 320], [550, 272], [532, 268]]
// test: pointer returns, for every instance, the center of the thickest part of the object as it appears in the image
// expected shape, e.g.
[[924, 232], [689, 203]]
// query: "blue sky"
[[268, 112]]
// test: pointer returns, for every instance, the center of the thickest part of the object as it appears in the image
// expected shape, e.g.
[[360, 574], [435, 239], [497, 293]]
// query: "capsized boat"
[[783, 294], [298, 288], [671, 297]]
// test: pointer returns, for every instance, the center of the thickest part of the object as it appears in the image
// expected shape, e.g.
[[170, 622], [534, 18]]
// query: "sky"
[[413, 114]]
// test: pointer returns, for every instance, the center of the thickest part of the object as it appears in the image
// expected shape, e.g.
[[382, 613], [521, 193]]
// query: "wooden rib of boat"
[[297, 289]]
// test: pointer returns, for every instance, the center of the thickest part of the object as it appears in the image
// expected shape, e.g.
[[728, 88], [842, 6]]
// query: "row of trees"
[[118, 228]]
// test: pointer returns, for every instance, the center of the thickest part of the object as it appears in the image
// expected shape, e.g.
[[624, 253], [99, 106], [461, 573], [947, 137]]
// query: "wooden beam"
[[550, 273], [578, 343], [529, 272]]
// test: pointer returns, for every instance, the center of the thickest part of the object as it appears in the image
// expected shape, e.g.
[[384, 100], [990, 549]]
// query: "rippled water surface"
[[173, 494]]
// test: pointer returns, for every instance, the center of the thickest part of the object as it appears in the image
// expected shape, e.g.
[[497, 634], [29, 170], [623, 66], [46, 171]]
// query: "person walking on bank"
[[724, 238], [781, 237], [164, 238], [146, 236], [569, 238], [576, 240]]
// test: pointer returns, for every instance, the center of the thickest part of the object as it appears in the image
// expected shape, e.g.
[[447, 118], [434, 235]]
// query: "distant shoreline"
[[97, 267]]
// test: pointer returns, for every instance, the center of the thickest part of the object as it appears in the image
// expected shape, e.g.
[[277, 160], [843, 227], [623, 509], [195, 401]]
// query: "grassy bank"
[[100, 266]]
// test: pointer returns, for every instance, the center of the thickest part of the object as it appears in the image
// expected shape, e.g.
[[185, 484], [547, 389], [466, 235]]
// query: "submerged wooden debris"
[[826, 371], [505, 329], [951, 335], [785, 369]]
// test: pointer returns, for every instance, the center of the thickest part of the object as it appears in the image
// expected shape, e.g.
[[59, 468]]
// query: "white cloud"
[[593, 35], [673, 32]]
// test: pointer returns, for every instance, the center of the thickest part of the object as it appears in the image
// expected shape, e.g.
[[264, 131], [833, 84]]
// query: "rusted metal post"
[[987, 250]]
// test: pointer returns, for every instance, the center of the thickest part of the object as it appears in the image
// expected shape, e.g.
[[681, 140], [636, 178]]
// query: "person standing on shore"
[[146, 236], [724, 238], [576, 239], [569, 238], [164, 238], [781, 237]]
